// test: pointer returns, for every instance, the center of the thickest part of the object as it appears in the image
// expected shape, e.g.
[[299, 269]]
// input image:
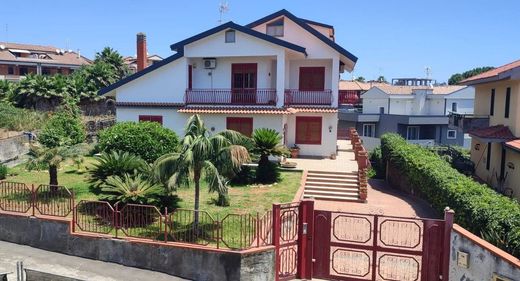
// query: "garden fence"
[[136, 221]]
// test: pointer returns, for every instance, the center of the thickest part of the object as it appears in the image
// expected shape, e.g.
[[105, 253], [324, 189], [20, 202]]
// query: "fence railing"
[[297, 97], [231, 96], [348, 97], [46, 200], [136, 221]]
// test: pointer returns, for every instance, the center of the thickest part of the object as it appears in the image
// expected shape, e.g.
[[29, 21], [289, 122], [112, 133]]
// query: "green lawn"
[[243, 199]]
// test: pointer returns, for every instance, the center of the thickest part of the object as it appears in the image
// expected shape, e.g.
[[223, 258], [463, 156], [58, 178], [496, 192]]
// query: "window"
[[369, 130], [452, 134], [241, 125], [508, 101], [23, 71], [312, 79], [381, 110], [412, 132], [230, 36], [10, 70], [46, 71], [308, 130], [488, 159], [492, 103], [454, 107], [59, 71], [190, 77], [275, 28], [151, 118]]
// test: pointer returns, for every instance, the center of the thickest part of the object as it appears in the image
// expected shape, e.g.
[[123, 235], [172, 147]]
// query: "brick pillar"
[[446, 247], [362, 158], [363, 183], [142, 54]]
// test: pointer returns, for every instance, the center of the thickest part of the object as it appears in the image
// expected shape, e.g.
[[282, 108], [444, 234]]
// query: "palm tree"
[[267, 142], [51, 158], [114, 59], [133, 189], [202, 154]]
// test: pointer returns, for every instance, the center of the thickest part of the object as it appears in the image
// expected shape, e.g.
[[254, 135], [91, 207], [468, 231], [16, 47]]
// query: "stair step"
[[331, 188], [334, 184], [333, 176], [339, 180], [326, 192], [330, 173], [335, 198]]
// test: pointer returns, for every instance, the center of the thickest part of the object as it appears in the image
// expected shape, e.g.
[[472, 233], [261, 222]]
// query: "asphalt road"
[[70, 266]]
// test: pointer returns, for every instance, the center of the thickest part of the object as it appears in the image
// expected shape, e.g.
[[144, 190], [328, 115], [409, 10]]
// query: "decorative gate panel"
[[370, 247], [286, 221]]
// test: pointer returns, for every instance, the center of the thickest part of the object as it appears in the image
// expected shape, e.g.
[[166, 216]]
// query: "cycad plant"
[[133, 189], [267, 142], [203, 155]]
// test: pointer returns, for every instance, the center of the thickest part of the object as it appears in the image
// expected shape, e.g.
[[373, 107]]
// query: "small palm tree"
[[267, 142], [133, 189], [114, 163], [202, 155], [51, 158]]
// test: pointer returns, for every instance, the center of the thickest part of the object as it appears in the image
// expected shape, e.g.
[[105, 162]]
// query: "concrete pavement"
[[70, 266]]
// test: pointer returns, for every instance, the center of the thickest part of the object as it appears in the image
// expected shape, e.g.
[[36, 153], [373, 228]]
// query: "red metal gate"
[[351, 246]]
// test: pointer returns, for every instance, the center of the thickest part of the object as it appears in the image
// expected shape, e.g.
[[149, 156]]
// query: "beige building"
[[495, 150]]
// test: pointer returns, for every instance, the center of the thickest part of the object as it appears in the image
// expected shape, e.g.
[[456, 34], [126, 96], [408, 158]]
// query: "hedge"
[[477, 207]]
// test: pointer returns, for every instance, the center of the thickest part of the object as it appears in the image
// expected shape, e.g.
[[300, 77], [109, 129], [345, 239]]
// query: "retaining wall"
[[12, 148], [186, 261]]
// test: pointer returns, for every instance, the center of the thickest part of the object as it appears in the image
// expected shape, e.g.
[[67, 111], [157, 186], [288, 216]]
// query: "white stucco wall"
[[165, 84], [321, 29], [171, 118], [328, 139], [373, 105], [434, 106]]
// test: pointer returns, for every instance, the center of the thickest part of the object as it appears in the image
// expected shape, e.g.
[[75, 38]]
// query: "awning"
[[19, 51]]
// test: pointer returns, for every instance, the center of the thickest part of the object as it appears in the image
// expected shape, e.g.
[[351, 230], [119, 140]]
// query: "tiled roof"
[[353, 85], [408, 90], [149, 104], [66, 58], [514, 144], [231, 110], [498, 132], [256, 110], [493, 73]]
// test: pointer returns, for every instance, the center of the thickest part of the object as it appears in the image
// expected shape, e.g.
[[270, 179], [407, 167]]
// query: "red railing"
[[47, 200], [348, 97], [231, 96], [297, 97]]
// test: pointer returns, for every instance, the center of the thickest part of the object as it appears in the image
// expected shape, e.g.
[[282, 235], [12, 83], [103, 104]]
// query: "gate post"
[[276, 239], [305, 233], [446, 247]]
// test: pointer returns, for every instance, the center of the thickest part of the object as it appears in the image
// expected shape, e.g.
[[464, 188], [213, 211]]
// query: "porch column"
[[39, 69], [335, 81], [280, 79]]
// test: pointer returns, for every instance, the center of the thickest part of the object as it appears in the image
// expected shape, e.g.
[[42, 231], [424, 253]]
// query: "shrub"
[[148, 140], [378, 166], [62, 129], [131, 189], [17, 119], [267, 142], [477, 207], [114, 163], [3, 172]]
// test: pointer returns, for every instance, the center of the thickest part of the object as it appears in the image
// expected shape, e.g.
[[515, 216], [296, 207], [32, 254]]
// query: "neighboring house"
[[417, 113], [279, 72], [131, 62], [350, 91], [495, 150], [136, 63], [18, 60]]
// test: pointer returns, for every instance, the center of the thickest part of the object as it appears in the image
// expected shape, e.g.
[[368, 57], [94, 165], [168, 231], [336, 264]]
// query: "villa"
[[279, 72]]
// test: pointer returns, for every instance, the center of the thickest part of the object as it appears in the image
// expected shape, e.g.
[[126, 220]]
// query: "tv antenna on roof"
[[222, 8], [428, 71]]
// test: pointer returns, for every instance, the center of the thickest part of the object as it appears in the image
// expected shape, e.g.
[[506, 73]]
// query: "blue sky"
[[392, 38]]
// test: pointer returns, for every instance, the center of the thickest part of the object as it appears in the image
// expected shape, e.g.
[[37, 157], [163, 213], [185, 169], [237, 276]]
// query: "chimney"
[[142, 55]]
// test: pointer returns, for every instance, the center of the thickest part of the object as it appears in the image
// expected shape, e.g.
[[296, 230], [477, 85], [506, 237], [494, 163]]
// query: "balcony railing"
[[231, 96], [348, 97], [297, 97]]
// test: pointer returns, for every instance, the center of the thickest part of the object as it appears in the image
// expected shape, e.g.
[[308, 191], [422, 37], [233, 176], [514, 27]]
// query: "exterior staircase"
[[337, 186]]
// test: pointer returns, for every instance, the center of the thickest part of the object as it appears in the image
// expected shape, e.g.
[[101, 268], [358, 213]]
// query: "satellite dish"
[[2, 47], [58, 51]]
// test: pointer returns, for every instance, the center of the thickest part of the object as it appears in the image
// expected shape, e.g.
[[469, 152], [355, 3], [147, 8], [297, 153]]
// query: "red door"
[[243, 83], [312, 79], [321, 248]]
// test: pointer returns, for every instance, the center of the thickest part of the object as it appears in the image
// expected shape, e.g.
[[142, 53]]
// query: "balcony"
[[297, 97], [349, 97], [230, 97], [467, 122]]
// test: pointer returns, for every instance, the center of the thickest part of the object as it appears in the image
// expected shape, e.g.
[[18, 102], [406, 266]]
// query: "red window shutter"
[[312, 79], [308, 130], [243, 125], [151, 118]]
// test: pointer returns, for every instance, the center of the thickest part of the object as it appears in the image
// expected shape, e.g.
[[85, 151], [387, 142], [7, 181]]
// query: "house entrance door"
[[243, 83]]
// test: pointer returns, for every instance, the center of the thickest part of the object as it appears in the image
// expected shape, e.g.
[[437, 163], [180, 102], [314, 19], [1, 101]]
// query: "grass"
[[243, 199]]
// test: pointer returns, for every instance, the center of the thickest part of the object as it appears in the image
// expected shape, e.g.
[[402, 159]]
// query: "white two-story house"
[[419, 114], [279, 72]]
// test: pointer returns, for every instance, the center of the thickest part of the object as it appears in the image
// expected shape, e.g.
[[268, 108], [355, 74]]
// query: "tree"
[[112, 58], [267, 142], [381, 79], [202, 154], [457, 77], [52, 157], [133, 189], [37, 88], [7, 89], [360, 79], [62, 129]]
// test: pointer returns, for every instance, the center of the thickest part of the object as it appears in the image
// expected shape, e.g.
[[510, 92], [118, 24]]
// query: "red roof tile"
[[491, 73], [498, 132]]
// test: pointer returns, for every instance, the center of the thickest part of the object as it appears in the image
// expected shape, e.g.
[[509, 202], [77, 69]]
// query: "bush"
[[3, 172], [378, 166], [132, 189], [17, 119], [148, 140], [477, 207], [62, 129]]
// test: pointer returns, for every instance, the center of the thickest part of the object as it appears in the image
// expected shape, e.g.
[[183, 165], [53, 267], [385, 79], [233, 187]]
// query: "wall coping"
[[299, 193], [142, 241], [487, 246]]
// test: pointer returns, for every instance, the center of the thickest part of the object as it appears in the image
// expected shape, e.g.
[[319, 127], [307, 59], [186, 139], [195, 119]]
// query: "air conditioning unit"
[[210, 63]]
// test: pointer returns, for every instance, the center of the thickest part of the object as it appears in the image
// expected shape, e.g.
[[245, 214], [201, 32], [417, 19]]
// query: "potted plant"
[[295, 151]]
